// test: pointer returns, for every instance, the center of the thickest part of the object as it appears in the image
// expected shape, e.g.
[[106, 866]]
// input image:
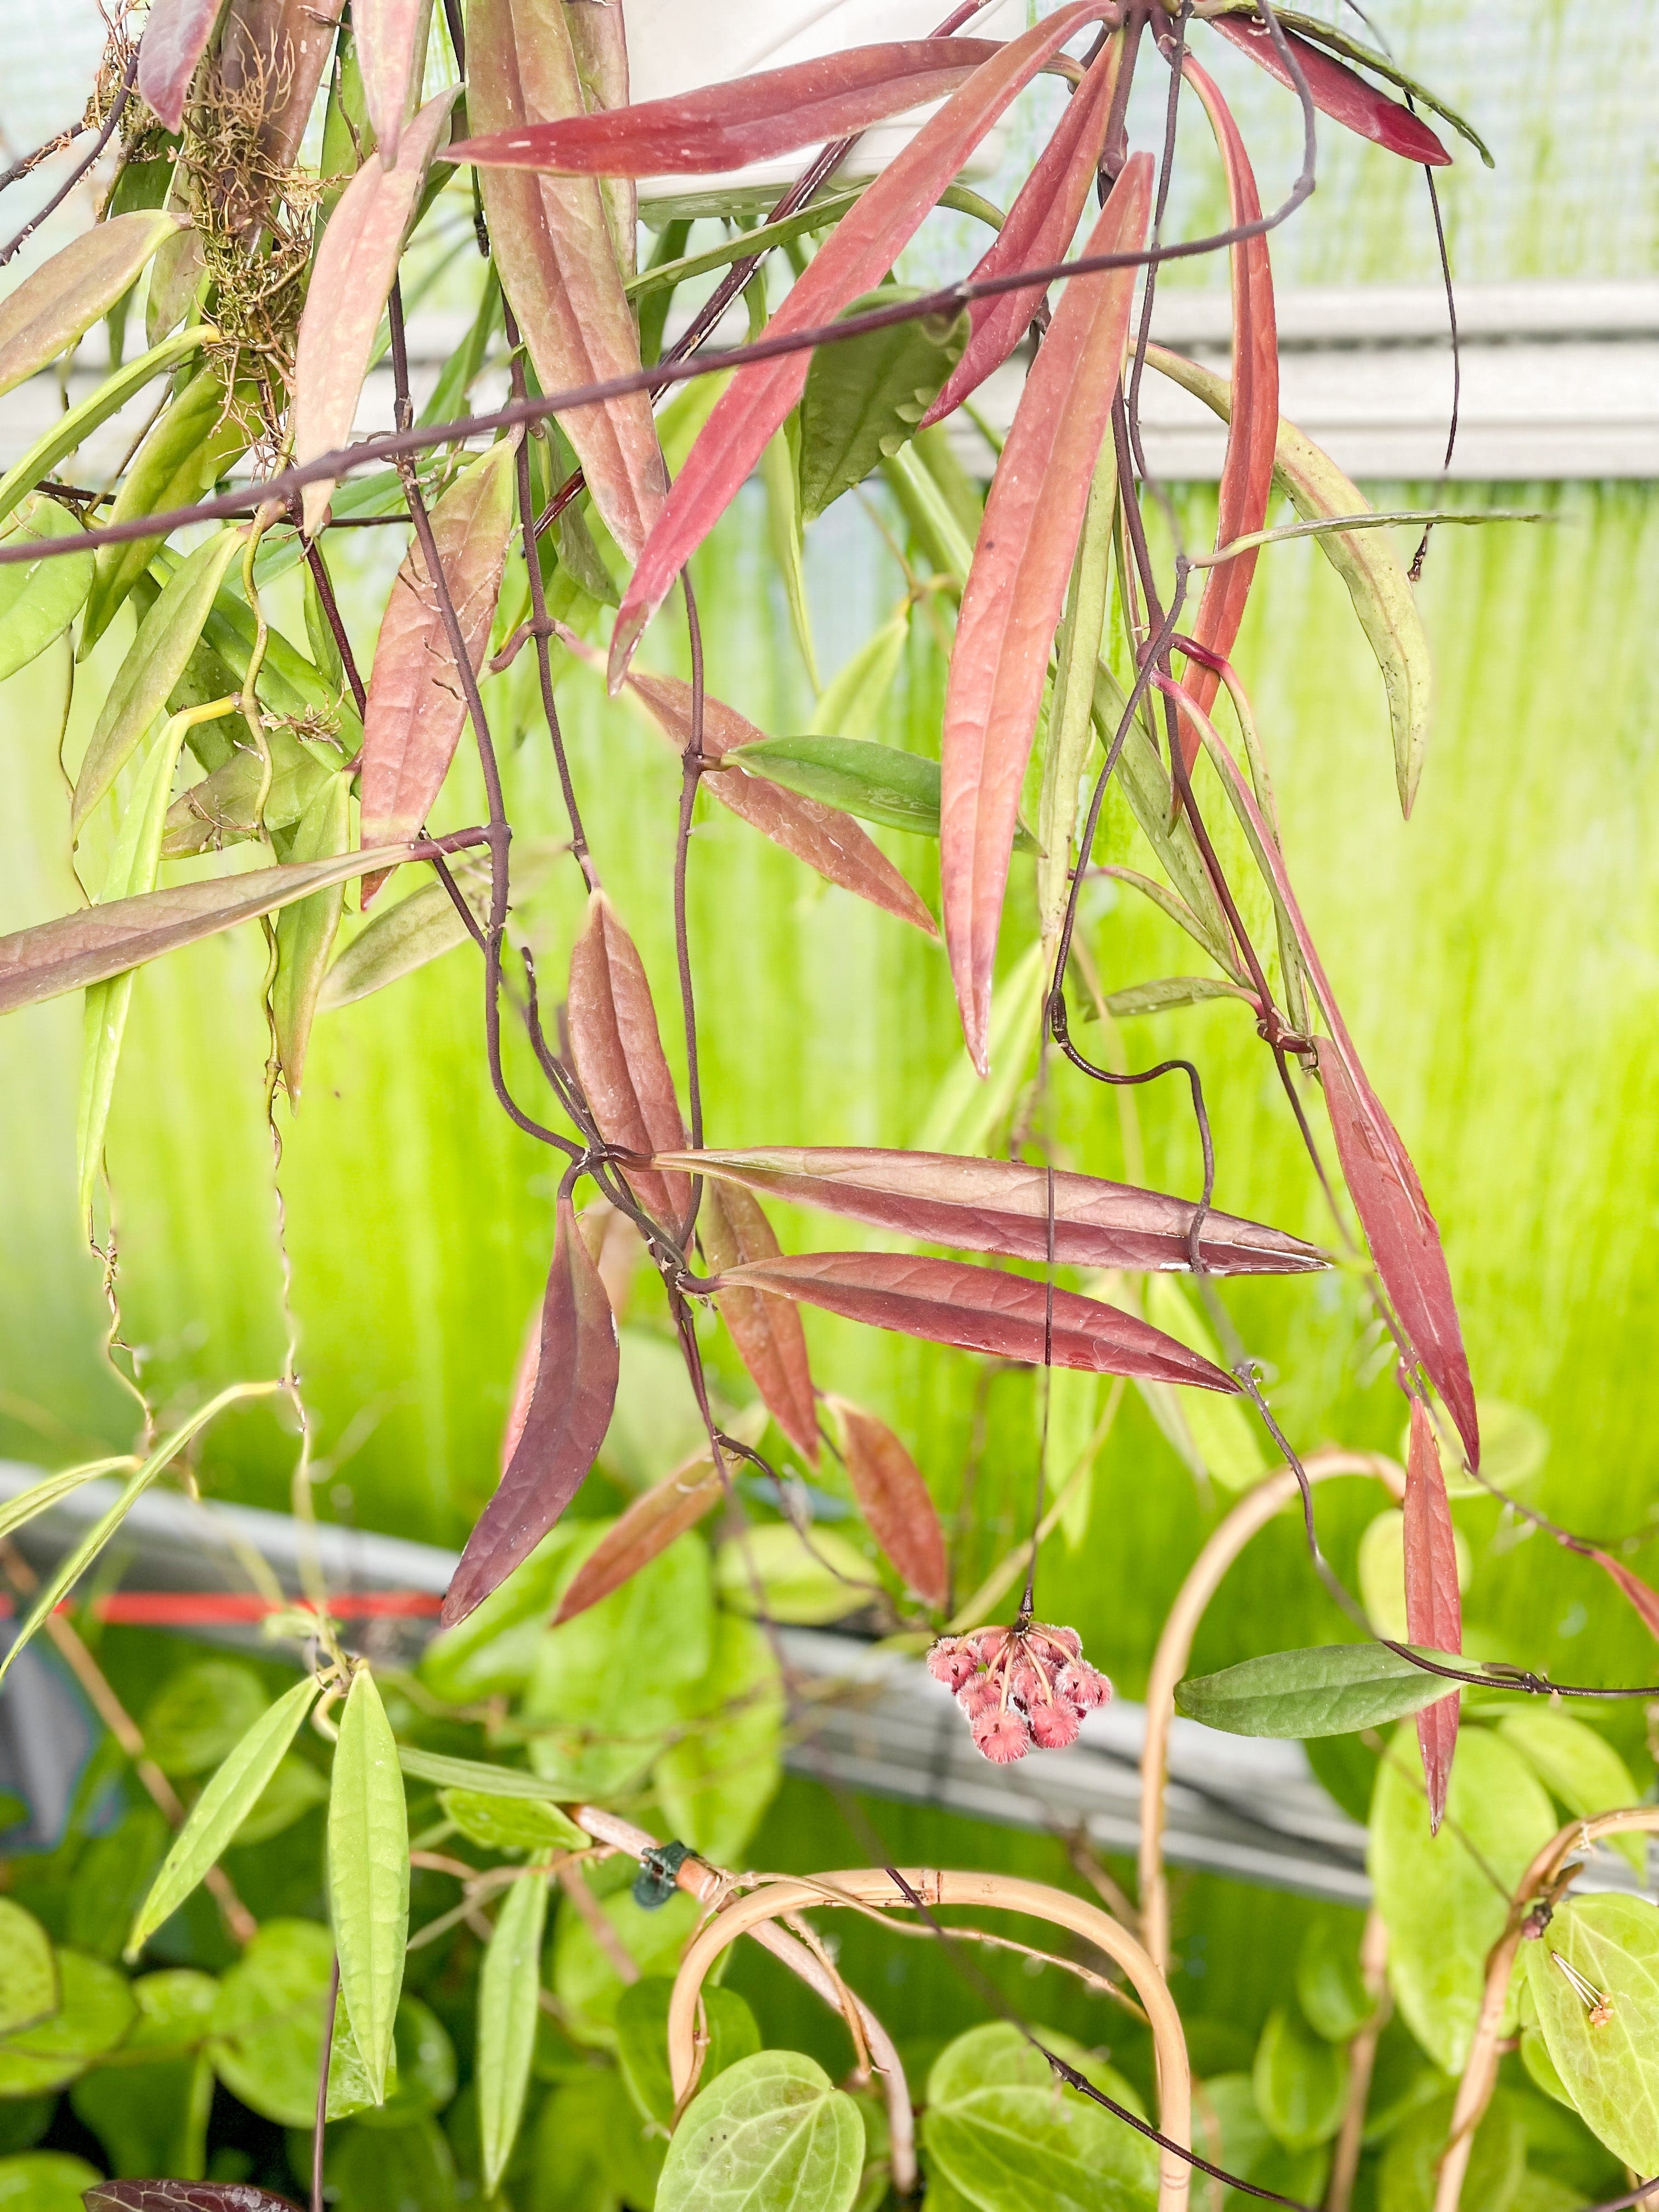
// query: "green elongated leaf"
[[1366, 560], [511, 1824], [39, 599], [1008, 2137], [75, 1562], [474, 1776], [1069, 716], [850, 704], [642, 2041], [1579, 1768], [133, 865], [778, 478], [28, 1969], [56, 303], [1331, 1689], [1225, 1436], [771, 2134], [167, 637], [101, 941], [94, 2011], [222, 1809], [1444, 1898], [15, 1511], [176, 279], [864, 399], [69, 429], [199, 1716], [510, 1983], [400, 938], [1164, 996], [369, 1873], [879, 783], [1300, 2082], [205, 429], [225, 808], [306, 931]]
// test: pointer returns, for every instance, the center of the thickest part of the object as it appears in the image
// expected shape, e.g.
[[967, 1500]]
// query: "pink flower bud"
[[986, 1643], [1002, 1738], [951, 1662], [980, 1694], [1065, 1639], [1027, 1680], [1053, 1727], [1080, 1685]]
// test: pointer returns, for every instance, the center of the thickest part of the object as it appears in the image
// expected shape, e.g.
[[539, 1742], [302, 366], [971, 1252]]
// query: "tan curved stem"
[[867, 1886], [1547, 1872], [1175, 1649], [700, 1881], [1362, 2057]]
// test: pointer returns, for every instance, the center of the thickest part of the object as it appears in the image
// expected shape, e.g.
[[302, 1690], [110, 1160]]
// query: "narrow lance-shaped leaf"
[[1016, 590], [167, 637], [568, 1413], [369, 1873], [1071, 719], [509, 1993], [854, 775], [897, 1507], [351, 282], [39, 599], [618, 1050], [1247, 472], [100, 941], [746, 119], [68, 430], [1003, 1206], [166, 2195], [1335, 1689], [1038, 231], [767, 1331], [598, 39], [306, 931], [416, 707], [1366, 560], [220, 1810], [1338, 91], [391, 41], [176, 32], [61, 300], [979, 1310], [552, 244], [133, 868], [23, 1507], [1434, 1612], [651, 1524], [858, 253], [1642, 1596], [477, 1778]]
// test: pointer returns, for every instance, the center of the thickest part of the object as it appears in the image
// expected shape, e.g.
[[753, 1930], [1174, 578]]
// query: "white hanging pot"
[[675, 45]]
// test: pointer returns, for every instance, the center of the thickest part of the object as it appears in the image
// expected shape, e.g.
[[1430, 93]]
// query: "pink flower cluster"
[[1019, 1687]]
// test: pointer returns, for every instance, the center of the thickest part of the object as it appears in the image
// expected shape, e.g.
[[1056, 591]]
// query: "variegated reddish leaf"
[[1038, 231], [598, 38], [523, 1387], [176, 32], [767, 1330], [162, 2196], [858, 254], [552, 245], [1247, 471], [1338, 91], [618, 1050], [1434, 1612], [417, 709], [746, 119], [388, 33], [979, 1310], [1016, 593], [1642, 1596], [648, 1527], [569, 1411], [351, 282], [1002, 1206], [897, 1507]]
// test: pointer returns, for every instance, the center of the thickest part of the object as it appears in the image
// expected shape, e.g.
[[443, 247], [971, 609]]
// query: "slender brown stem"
[[118, 108], [331, 607]]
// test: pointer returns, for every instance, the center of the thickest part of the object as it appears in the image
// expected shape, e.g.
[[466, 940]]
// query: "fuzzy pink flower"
[[980, 1694], [1053, 1727], [1064, 1639], [1002, 1738], [1027, 1679], [951, 1662], [987, 1644], [1082, 1686]]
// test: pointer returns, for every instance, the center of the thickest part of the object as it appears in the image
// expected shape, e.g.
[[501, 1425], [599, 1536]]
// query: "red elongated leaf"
[[978, 1310], [553, 246], [1040, 227], [767, 1330], [856, 256], [648, 1527], [1247, 471], [356, 263], [598, 38], [182, 2197], [1002, 1206], [1641, 1594], [1016, 592], [568, 1413], [101, 941], [387, 32], [415, 708], [523, 1387], [176, 32], [1434, 1612], [895, 1501], [747, 118], [1338, 91], [618, 1050]]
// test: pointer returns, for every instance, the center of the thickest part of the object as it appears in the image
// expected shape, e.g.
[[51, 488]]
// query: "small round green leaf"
[[39, 599], [94, 2011], [1006, 2134], [1299, 2081], [1579, 1768], [642, 2041], [1329, 1986], [802, 1585], [44, 2181], [268, 2021], [200, 1715], [1606, 2053], [772, 2134], [28, 1972]]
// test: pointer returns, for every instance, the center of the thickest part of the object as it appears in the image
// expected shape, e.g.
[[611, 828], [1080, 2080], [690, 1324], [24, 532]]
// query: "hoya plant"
[[496, 1885]]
